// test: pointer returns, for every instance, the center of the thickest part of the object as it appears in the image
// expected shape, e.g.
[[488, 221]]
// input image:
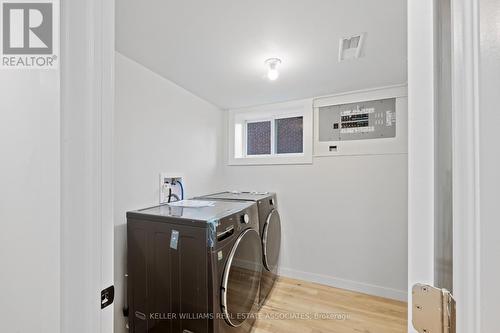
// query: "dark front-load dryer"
[[194, 270], [270, 232]]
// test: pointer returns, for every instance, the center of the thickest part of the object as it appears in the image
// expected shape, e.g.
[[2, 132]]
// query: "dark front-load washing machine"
[[269, 229], [194, 270]]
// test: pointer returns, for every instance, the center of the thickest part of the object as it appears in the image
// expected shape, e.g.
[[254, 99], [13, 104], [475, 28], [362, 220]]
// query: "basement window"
[[272, 134], [258, 137], [289, 133]]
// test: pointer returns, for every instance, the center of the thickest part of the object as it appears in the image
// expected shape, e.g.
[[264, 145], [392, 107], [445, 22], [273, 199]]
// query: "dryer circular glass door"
[[240, 282], [271, 241]]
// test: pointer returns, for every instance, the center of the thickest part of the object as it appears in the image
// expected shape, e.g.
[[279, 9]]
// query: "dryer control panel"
[[358, 121]]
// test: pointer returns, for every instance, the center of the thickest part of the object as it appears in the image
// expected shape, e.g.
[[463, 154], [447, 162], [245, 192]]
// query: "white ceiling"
[[217, 48]]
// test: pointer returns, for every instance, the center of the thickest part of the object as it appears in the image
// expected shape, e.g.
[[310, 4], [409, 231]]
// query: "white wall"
[[29, 201], [159, 127], [344, 219]]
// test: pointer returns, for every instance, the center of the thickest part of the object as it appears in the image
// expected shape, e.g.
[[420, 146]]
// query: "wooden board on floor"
[[304, 307]]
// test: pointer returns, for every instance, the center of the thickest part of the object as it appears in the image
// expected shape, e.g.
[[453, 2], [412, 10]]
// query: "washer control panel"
[[358, 121]]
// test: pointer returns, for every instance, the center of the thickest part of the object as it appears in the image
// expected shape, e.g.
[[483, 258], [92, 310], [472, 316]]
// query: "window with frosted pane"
[[289, 135], [259, 138]]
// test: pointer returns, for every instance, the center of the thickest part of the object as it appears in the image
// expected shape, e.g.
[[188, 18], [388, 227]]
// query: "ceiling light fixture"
[[272, 73]]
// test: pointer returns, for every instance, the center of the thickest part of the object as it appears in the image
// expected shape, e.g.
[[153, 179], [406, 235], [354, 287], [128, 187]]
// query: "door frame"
[[87, 98], [465, 124], [465, 101]]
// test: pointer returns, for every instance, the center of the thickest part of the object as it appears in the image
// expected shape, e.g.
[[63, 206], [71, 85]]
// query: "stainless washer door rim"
[[225, 278], [265, 239]]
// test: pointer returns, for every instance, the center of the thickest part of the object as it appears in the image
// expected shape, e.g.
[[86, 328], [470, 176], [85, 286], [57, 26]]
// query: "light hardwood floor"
[[293, 298]]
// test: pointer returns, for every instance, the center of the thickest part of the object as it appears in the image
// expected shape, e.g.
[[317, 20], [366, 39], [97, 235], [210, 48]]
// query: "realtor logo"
[[28, 34]]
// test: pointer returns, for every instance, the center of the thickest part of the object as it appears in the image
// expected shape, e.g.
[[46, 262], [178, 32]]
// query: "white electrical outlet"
[[173, 181]]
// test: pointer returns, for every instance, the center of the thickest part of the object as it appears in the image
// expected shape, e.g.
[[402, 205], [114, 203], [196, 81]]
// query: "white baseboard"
[[361, 287]]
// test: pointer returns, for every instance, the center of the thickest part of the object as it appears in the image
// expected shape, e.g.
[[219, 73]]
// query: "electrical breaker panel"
[[365, 122], [358, 121]]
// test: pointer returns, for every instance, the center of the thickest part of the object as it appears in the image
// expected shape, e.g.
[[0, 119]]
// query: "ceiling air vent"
[[350, 47]]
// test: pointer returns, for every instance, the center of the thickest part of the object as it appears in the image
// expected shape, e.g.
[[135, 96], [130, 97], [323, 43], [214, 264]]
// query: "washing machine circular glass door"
[[240, 282], [271, 241]]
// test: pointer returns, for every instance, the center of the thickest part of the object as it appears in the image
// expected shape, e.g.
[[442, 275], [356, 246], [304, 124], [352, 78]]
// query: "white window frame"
[[270, 112]]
